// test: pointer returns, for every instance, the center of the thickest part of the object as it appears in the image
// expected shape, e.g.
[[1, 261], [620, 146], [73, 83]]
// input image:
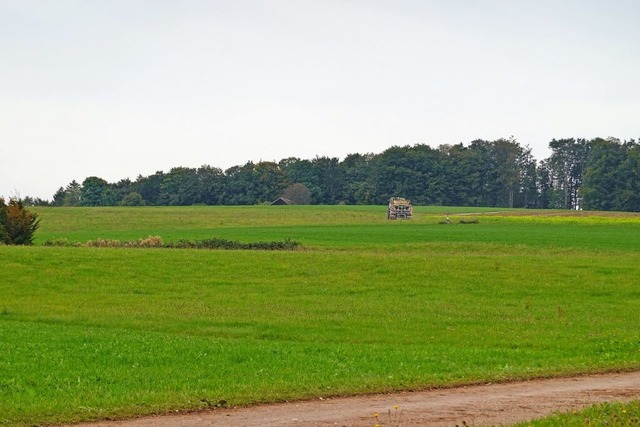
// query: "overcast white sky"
[[118, 88]]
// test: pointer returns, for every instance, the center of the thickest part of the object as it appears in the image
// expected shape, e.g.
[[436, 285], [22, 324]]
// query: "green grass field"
[[367, 305], [607, 414]]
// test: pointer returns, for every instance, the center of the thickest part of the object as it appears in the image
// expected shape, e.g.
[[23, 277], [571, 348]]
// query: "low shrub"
[[469, 221], [150, 242], [61, 242], [218, 243], [156, 242], [462, 221], [104, 243]]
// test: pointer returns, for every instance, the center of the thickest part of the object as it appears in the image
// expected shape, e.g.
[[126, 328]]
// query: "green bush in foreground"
[[17, 225], [605, 414]]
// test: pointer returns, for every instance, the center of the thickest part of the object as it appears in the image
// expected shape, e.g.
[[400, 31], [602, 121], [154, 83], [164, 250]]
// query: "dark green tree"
[[507, 159], [567, 164], [330, 179], [417, 173], [179, 187], [269, 182], [483, 187], [358, 187], [96, 192], [72, 194], [149, 187], [392, 177], [527, 195], [120, 190], [607, 178], [628, 195], [34, 201], [464, 172], [240, 185], [543, 185], [211, 183], [58, 197]]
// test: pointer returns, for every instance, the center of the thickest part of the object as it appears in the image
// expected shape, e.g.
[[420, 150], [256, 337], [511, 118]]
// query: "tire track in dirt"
[[489, 404]]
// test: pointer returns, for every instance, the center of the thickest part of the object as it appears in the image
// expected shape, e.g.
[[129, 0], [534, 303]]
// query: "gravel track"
[[488, 404]]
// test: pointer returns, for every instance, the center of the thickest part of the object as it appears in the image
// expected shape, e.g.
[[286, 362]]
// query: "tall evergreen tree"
[[567, 164], [605, 177]]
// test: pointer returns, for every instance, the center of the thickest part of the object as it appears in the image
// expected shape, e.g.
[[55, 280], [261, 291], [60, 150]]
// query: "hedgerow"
[[156, 242]]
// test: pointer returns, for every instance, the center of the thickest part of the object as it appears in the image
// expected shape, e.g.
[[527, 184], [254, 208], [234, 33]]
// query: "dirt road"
[[490, 404]]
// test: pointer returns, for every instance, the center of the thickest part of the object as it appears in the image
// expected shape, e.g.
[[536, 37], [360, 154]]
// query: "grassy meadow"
[[606, 414], [366, 305]]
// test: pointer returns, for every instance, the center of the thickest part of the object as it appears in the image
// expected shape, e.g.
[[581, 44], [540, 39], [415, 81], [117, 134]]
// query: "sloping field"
[[366, 305]]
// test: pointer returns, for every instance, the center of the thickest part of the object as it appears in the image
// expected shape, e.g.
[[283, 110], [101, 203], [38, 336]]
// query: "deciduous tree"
[[298, 194]]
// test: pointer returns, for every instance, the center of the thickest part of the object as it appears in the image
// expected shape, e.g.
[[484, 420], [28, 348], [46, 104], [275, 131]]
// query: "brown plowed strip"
[[490, 404]]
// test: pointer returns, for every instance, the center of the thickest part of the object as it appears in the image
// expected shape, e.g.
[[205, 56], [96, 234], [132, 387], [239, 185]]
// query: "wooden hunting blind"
[[399, 208]]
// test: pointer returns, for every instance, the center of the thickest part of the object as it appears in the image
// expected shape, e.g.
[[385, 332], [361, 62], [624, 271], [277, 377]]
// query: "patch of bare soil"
[[489, 404]]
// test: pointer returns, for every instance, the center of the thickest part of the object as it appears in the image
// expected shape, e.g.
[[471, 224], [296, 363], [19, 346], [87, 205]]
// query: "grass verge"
[[606, 414]]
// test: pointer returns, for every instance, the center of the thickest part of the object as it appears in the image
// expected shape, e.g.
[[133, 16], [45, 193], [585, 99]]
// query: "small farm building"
[[282, 201]]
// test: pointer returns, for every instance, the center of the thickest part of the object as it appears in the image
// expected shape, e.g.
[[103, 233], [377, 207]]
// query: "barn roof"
[[282, 201]]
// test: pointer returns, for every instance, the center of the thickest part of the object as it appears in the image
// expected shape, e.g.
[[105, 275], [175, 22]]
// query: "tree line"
[[597, 174]]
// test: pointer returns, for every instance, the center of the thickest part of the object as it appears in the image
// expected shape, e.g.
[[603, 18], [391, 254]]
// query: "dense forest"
[[597, 174]]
